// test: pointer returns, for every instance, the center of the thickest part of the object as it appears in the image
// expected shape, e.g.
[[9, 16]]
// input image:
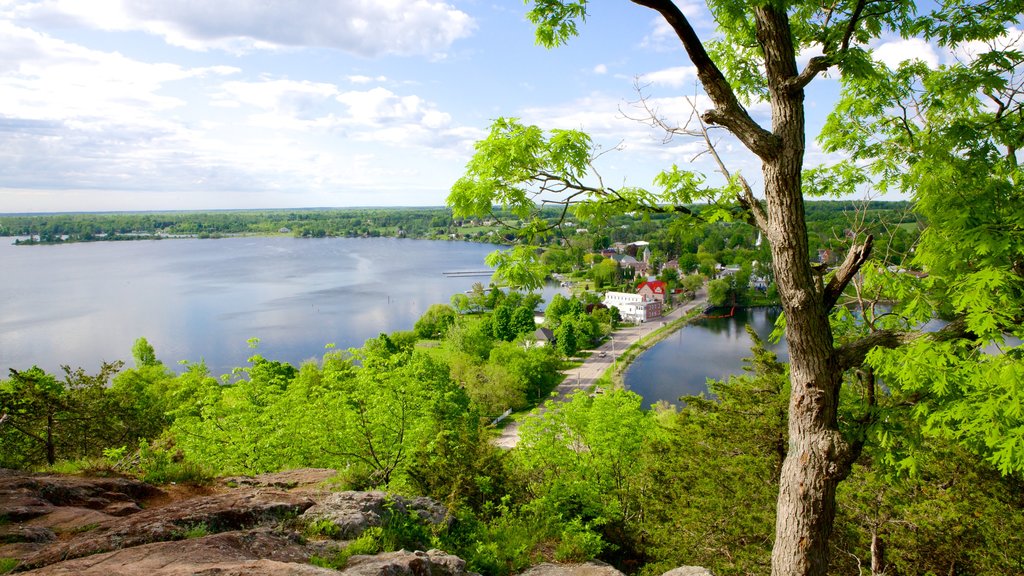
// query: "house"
[[543, 337], [653, 290], [633, 307], [726, 271]]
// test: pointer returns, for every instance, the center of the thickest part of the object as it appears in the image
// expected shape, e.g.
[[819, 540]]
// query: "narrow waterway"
[[706, 348]]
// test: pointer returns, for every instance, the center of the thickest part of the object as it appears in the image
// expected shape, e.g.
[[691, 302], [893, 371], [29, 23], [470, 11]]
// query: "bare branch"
[[729, 112], [855, 258]]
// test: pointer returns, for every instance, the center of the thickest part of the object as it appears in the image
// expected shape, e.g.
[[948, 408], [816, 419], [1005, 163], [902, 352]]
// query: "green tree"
[[693, 282], [32, 404], [756, 57], [522, 321], [144, 354], [502, 324], [436, 320], [582, 459], [719, 292], [567, 338]]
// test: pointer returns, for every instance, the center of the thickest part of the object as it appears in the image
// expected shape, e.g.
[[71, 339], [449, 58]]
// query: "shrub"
[[8, 565], [579, 543]]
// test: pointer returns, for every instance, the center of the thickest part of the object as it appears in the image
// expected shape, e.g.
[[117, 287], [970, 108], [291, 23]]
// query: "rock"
[[19, 507], [220, 512], [688, 571], [25, 496], [592, 568], [240, 553], [70, 519], [12, 533], [94, 493], [403, 563], [287, 480], [354, 512], [122, 509]]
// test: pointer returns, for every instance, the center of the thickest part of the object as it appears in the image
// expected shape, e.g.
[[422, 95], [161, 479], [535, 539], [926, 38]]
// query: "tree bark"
[[811, 471], [817, 457]]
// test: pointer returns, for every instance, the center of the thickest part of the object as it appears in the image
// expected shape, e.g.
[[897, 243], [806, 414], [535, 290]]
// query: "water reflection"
[[708, 348], [80, 304]]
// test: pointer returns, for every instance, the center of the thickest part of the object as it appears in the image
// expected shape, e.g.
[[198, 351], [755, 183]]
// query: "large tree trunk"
[[817, 458], [807, 485]]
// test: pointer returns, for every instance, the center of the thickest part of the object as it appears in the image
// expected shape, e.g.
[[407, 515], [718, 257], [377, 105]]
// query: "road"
[[587, 373]]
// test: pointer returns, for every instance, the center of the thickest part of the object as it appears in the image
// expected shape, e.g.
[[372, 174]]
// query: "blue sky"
[[156, 105]]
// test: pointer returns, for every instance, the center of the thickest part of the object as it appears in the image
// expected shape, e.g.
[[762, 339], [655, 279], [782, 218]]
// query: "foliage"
[[8, 565], [579, 543], [197, 530], [435, 321], [922, 130], [79, 416], [397, 532], [322, 528]]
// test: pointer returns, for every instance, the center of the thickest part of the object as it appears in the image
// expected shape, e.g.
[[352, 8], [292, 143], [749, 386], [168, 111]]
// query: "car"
[[603, 354]]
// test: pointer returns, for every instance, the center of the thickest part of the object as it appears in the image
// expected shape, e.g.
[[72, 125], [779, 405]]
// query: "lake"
[[79, 304], [706, 348]]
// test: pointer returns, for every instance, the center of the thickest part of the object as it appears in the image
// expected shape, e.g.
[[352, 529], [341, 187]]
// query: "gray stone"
[[354, 512], [592, 568], [403, 563], [688, 571]]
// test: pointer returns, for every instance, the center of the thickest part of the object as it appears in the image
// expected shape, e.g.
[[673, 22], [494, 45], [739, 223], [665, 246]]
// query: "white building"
[[633, 307]]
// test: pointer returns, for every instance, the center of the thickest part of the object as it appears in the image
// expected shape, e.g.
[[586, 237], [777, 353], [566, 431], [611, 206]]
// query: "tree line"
[[594, 477]]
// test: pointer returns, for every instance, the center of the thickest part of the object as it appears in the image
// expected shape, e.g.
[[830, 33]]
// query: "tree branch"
[[815, 66], [855, 258], [728, 113], [852, 355]]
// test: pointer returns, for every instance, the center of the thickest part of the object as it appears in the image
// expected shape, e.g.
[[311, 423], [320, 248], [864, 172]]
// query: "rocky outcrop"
[[63, 525], [300, 478], [235, 510], [354, 512], [592, 568], [688, 571], [27, 496], [254, 552], [403, 563], [243, 526]]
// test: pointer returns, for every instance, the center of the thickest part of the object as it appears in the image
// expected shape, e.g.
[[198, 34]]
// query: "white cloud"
[[361, 79], [300, 99], [600, 69], [368, 28], [675, 77], [895, 52], [48, 78], [379, 106]]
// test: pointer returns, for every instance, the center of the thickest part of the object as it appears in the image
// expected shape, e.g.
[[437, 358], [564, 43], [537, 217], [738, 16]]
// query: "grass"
[[322, 528], [85, 528], [7, 565], [191, 531]]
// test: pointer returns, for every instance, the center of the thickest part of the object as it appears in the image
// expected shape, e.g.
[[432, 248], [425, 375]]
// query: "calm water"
[[82, 303], [714, 348]]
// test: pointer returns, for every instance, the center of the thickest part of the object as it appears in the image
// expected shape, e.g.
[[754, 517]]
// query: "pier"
[[460, 273]]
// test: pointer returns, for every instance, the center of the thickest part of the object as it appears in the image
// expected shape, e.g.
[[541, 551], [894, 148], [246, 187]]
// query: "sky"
[[166, 105]]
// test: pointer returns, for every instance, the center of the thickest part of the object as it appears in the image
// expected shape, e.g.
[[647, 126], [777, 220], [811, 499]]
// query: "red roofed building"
[[653, 290]]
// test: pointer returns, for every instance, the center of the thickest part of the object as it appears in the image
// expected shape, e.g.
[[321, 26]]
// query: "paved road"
[[586, 374]]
